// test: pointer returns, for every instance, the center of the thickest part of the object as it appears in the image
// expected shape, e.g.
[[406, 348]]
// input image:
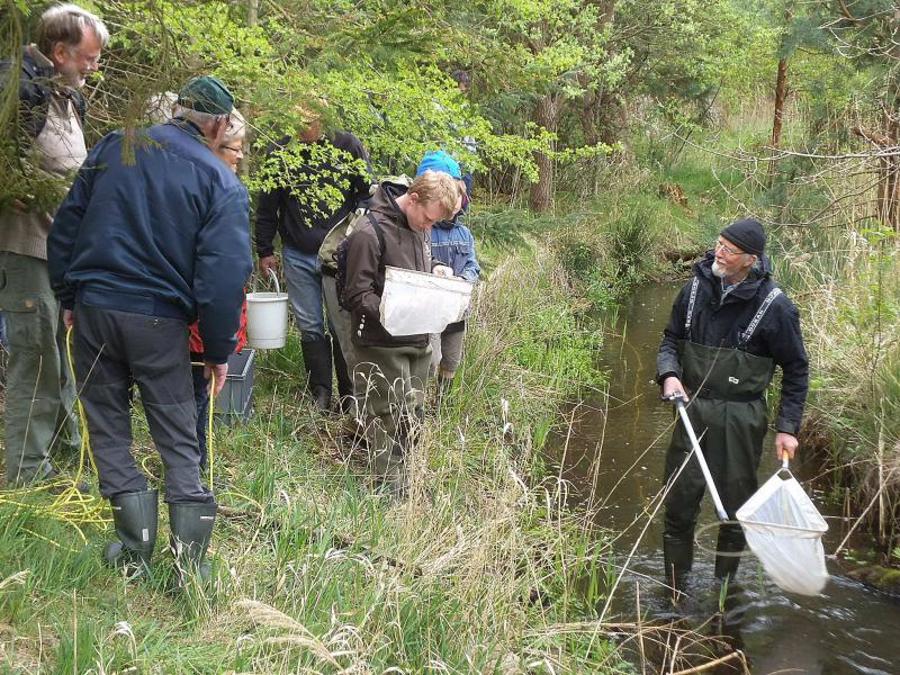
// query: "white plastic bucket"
[[267, 318]]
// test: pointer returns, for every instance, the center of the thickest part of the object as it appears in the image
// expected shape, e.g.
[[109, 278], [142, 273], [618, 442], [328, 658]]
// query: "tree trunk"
[[890, 197], [780, 93], [546, 114]]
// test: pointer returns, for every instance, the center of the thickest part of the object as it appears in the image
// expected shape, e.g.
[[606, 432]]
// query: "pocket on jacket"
[[15, 297]]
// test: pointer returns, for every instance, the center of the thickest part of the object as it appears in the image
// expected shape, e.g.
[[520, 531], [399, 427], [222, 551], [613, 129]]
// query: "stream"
[[617, 442]]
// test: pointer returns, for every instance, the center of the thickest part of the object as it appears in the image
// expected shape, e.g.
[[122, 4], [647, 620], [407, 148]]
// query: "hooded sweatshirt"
[[403, 247]]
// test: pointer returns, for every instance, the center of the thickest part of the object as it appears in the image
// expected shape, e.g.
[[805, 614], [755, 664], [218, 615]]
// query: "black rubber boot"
[[191, 530], [317, 359], [729, 546], [136, 517], [345, 383], [679, 558]]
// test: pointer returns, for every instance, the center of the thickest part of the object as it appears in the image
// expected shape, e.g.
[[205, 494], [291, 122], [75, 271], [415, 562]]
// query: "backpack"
[[330, 250], [340, 256]]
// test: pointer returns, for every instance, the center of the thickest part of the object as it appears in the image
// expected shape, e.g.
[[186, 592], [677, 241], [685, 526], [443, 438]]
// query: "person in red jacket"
[[230, 151]]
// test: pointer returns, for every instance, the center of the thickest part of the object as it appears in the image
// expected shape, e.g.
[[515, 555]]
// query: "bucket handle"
[[274, 278]]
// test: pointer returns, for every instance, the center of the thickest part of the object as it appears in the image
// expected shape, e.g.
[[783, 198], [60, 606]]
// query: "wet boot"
[[345, 383], [729, 546], [191, 530], [317, 359], [679, 558], [136, 516]]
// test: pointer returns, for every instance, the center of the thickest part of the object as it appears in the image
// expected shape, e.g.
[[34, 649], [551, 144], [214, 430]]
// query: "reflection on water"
[[614, 456]]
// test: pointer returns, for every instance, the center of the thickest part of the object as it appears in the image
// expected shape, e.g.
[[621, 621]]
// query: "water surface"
[[617, 445]]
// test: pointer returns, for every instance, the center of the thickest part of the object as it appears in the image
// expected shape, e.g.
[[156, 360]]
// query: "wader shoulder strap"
[[760, 313], [695, 284]]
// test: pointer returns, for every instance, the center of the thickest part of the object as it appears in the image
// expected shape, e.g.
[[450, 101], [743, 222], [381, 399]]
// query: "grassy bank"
[[658, 213], [476, 571]]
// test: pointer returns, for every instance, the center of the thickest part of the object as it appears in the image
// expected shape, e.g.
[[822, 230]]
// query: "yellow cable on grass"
[[70, 506]]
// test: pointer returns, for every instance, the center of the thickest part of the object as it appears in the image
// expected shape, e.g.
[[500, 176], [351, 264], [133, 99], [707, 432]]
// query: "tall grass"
[[313, 572], [848, 288], [841, 269]]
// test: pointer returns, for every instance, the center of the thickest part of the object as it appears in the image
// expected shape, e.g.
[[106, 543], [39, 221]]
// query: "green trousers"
[[389, 383], [40, 395], [728, 413]]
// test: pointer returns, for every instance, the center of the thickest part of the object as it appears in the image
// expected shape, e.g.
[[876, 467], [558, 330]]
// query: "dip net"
[[784, 530]]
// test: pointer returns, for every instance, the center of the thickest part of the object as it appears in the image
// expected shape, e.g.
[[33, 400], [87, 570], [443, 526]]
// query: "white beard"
[[717, 270]]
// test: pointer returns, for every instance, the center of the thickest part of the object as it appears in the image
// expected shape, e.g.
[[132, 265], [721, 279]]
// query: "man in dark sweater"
[[730, 327], [138, 250], [322, 179]]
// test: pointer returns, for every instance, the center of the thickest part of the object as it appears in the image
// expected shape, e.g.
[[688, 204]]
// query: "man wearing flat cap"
[[138, 250], [730, 327]]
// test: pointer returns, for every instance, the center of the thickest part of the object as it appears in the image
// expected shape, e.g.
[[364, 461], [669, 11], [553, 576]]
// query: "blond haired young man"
[[391, 372]]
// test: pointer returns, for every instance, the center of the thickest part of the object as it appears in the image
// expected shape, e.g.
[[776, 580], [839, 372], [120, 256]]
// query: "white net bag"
[[784, 530], [417, 302]]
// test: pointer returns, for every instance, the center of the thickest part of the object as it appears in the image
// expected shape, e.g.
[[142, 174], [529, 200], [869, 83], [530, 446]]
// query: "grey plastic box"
[[235, 403]]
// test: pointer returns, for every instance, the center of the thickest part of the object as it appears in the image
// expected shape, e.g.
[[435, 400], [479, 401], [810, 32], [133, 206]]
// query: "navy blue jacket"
[[166, 234], [718, 323]]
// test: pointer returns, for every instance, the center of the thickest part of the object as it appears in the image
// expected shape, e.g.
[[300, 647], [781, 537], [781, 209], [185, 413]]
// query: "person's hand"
[[220, 371], [442, 271], [672, 387], [785, 445], [266, 263], [68, 318]]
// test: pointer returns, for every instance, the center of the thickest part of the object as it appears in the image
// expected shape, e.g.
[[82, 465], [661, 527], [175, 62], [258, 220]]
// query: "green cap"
[[206, 94]]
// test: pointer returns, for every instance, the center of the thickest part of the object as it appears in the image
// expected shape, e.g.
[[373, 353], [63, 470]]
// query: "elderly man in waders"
[[730, 327]]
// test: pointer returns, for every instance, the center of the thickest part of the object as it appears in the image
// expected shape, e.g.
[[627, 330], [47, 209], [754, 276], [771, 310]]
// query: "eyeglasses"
[[730, 250], [238, 150]]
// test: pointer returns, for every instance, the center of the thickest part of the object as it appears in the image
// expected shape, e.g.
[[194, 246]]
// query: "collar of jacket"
[[747, 289], [189, 128], [448, 224], [37, 66]]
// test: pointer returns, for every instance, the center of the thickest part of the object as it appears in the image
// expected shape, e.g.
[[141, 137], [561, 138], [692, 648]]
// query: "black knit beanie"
[[747, 234]]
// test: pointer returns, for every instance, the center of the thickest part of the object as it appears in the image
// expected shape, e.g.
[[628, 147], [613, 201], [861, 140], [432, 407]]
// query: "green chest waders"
[[727, 409]]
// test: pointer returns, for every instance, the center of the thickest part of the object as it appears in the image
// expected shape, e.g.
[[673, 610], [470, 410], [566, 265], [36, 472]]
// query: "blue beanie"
[[438, 160]]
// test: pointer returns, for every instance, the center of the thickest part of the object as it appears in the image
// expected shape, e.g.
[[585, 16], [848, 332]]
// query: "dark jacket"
[[718, 324], [36, 86], [303, 226], [167, 234], [403, 247]]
